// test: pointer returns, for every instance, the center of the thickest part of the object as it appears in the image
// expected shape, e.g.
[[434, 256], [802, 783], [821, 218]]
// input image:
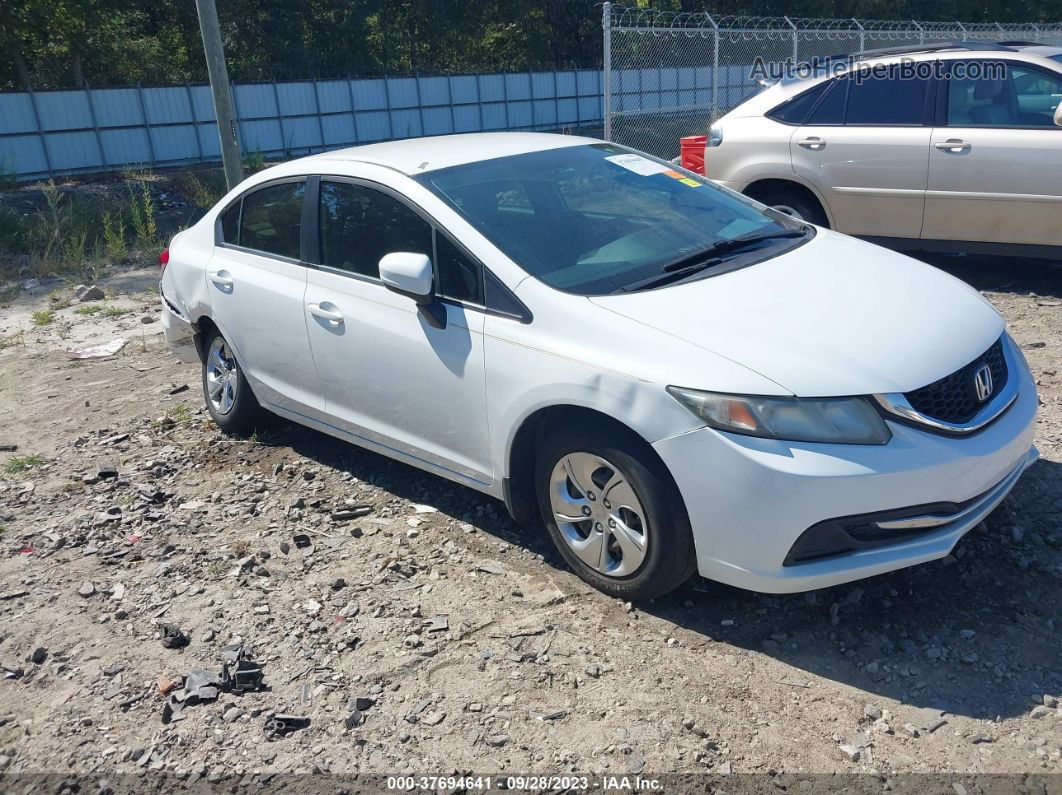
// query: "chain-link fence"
[[669, 74]]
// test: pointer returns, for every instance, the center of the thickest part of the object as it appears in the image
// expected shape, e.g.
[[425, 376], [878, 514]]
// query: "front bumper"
[[749, 500], [179, 331]]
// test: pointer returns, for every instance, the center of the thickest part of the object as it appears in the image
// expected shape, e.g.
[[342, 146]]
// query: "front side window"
[[597, 218], [359, 225], [886, 101], [1019, 97], [271, 221]]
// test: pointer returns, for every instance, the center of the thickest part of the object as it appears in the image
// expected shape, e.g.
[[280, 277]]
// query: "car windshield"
[[599, 218]]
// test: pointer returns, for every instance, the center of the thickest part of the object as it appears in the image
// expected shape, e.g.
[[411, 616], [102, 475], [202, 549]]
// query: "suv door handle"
[[953, 145], [813, 142], [221, 278], [331, 315]]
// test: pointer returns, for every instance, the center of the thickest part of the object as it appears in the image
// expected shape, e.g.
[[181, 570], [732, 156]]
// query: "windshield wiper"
[[733, 244], [689, 264]]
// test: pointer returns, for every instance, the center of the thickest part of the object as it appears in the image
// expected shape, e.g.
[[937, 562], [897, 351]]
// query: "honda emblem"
[[983, 382]]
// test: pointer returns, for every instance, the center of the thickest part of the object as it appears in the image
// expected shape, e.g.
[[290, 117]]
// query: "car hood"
[[835, 316]]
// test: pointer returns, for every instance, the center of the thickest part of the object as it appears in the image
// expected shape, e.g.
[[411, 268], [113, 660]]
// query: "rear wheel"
[[614, 513], [229, 399], [794, 202]]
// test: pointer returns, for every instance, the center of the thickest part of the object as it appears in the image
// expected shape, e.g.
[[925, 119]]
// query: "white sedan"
[[666, 376]]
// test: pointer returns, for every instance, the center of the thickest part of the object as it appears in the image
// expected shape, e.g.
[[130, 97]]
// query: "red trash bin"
[[692, 149]]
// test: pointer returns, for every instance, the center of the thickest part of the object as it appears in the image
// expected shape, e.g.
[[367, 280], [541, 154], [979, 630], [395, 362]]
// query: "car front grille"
[[954, 397]]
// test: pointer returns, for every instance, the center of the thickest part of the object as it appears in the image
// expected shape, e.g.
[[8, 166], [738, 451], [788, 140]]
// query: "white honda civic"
[[665, 376]]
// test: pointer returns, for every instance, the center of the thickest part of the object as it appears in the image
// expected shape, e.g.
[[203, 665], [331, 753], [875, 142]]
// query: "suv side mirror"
[[1058, 114], [411, 275]]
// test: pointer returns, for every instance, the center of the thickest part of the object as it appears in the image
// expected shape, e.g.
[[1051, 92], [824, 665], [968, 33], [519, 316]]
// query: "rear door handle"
[[221, 278], [953, 145], [323, 312], [813, 142]]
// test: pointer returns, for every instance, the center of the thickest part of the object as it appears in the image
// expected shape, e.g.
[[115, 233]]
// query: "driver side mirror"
[[411, 275], [1058, 114]]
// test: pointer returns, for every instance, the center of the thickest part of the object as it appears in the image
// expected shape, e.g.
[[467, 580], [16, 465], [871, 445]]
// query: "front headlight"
[[850, 420]]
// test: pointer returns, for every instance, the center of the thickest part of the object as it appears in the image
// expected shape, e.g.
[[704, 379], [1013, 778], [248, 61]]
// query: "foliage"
[[17, 465], [142, 213], [42, 317], [114, 244]]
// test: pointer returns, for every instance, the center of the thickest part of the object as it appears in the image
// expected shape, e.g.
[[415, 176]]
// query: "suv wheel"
[[614, 515], [229, 398], [795, 203]]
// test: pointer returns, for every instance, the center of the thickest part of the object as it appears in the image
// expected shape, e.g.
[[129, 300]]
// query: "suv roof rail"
[[935, 46], [1024, 44]]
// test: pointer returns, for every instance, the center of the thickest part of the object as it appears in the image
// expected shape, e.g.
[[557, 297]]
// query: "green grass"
[[18, 465], [43, 317], [89, 309], [114, 311]]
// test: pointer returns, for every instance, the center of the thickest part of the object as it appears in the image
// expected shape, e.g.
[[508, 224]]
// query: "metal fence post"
[[795, 42], [353, 108], [962, 27], [40, 132], [195, 122], [715, 68], [921, 32], [317, 109], [606, 24], [147, 126], [95, 125], [862, 35]]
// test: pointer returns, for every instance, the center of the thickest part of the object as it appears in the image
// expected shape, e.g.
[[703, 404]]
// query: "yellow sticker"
[[691, 182]]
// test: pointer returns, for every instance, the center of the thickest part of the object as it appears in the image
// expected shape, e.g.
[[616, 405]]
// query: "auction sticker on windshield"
[[638, 164]]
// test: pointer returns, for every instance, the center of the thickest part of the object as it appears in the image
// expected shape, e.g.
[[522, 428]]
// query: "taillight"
[[164, 259]]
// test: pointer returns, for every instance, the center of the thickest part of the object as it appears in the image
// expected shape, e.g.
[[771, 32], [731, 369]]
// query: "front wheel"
[[614, 513], [229, 399]]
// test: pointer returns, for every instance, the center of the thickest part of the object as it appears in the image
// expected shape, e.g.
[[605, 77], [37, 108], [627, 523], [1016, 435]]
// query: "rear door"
[[995, 165], [256, 282], [864, 148]]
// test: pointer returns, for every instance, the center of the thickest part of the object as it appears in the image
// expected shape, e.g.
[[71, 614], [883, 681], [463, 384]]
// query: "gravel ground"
[[419, 630]]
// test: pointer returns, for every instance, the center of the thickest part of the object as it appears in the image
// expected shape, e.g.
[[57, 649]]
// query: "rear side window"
[[271, 221], [886, 101], [831, 109], [796, 110], [230, 224], [359, 225]]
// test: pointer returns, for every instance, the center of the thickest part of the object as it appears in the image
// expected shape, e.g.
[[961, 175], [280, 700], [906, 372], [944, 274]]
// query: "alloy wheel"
[[599, 514], [222, 376]]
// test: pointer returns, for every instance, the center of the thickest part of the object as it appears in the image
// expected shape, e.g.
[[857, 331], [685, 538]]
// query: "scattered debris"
[[100, 351], [172, 636], [277, 726]]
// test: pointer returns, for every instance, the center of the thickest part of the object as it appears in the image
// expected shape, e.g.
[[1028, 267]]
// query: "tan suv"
[[957, 146]]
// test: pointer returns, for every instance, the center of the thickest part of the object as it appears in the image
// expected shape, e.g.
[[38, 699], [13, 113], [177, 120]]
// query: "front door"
[[864, 148], [995, 165], [390, 377]]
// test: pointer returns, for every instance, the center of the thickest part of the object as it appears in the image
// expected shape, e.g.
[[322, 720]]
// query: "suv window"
[[459, 277], [796, 109], [831, 109], [1022, 97], [271, 221], [886, 101]]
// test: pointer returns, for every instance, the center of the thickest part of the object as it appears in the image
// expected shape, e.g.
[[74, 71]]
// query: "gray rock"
[[92, 293], [1040, 712], [232, 714], [871, 711], [86, 590], [851, 752]]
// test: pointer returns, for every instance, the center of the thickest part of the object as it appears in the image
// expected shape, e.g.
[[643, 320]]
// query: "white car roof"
[[417, 155]]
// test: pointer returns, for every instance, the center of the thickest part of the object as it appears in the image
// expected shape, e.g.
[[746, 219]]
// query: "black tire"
[[243, 416], [795, 202], [670, 559]]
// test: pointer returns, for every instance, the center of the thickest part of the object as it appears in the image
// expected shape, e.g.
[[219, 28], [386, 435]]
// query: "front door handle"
[[813, 142], [221, 278], [325, 313], [953, 145]]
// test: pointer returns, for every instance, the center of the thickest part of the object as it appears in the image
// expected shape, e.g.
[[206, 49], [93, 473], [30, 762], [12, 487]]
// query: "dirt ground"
[[426, 632]]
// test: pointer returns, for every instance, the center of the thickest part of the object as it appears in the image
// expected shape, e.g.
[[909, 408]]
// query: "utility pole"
[[219, 86]]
